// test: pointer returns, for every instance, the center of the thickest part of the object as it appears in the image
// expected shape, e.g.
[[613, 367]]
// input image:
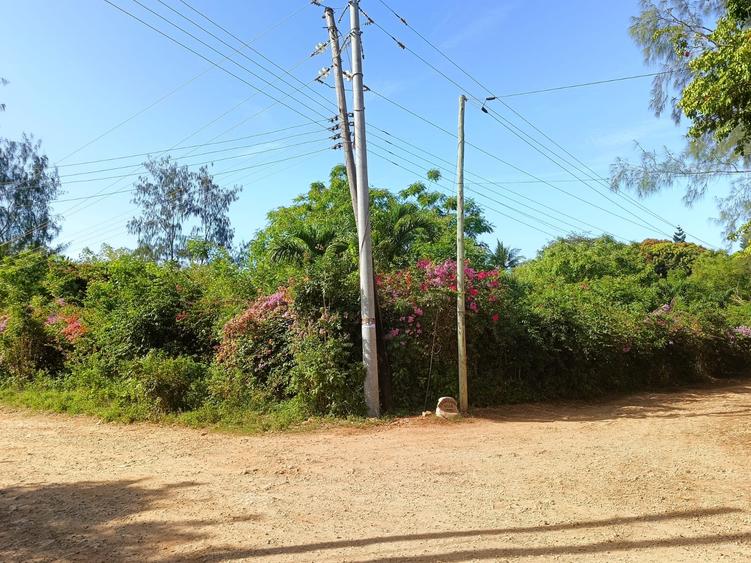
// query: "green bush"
[[255, 350], [26, 345], [131, 339], [326, 374], [168, 384]]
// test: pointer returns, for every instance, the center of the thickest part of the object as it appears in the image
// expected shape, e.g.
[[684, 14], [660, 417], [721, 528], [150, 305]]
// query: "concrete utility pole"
[[367, 285], [336, 59], [460, 297]]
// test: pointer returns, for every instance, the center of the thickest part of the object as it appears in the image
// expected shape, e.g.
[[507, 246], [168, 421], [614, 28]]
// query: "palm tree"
[[505, 257], [305, 244], [399, 227]]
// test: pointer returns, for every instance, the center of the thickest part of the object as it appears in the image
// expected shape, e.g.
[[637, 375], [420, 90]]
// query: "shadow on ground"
[[675, 404], [90, 521], [105, 521], [311, 551]]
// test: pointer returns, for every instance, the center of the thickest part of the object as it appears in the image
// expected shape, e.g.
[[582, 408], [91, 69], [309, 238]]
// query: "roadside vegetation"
[[272, 339], [191, 326]]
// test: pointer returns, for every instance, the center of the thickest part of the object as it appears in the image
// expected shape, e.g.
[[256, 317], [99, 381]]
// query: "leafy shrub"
[[169, 384], [667, 256], [255, 349], [26, 347], [326, 374], [133, 306]]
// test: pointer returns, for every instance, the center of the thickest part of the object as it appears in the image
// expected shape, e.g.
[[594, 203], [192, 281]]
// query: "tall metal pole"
[[460, 297], [367, 285], [336, 59]]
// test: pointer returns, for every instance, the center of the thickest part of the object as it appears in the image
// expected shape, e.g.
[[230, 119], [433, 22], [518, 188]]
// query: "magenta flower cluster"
[[415, 290]]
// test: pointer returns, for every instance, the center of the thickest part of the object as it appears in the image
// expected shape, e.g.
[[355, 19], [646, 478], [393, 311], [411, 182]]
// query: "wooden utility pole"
[[367, 280], [336, 59], [460, 297]]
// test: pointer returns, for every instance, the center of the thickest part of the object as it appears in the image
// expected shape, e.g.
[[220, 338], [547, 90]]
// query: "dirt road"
[[656, 477]]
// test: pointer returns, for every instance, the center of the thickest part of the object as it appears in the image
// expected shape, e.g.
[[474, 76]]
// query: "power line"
[[95, 232], [584, 84], [203, 163], [445, 190], [497, 184], [469, 188], [227, 71], [160, 151], [217, 25], [77, 207], [511, 127], [444, 55], [220, 151], [496, 157], [171, 92], [639, 221]]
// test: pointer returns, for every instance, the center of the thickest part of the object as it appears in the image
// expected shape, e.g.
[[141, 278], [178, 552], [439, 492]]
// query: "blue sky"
[[78, 68]]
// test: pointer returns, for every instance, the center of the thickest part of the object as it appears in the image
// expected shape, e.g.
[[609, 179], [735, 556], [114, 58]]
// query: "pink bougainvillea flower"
[[495, 317], [418, 311], [473, 306], [473, 292]]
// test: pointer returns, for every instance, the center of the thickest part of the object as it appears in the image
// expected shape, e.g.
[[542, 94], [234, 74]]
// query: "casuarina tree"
[[171, 198], [703, 48], [28, 185]]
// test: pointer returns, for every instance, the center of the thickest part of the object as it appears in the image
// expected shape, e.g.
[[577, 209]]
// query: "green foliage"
[[319, 228], [579, 259], [169, 384], [26, 348], [703, 48], [204, 341], [255, 352], [504, 257], [169, 197], [666, 256], [718, 99], [327, 375], [28, 186], [3, 82]]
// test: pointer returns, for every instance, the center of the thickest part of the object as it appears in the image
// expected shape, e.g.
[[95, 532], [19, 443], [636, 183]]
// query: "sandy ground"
[[652, 477]]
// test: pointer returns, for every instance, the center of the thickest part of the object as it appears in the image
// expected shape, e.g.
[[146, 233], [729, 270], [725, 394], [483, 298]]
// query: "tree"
[[412, 224], [704, 50], [504, 257], [211, 207], [306, 244], [166, 201], [171, 196], [400, 225], [679, 235], [28, 187]]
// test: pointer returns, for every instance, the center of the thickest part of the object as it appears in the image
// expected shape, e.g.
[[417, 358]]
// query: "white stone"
[[447, 408]]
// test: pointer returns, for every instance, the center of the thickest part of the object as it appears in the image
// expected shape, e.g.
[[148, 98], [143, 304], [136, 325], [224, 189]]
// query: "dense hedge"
[[587, 316]]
